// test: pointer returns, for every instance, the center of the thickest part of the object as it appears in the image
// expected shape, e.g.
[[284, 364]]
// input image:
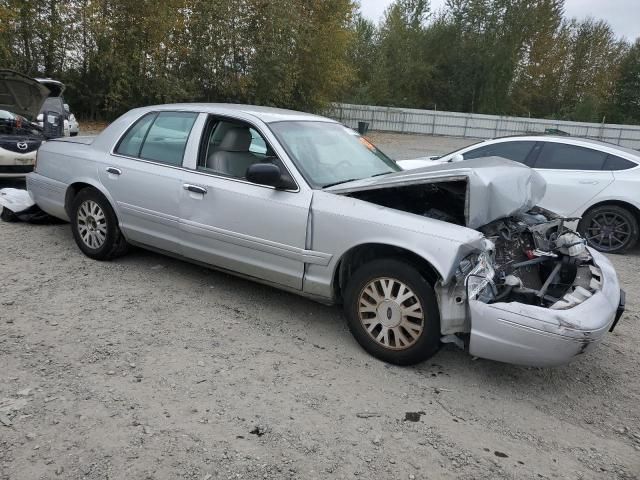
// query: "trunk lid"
[[84, 140]]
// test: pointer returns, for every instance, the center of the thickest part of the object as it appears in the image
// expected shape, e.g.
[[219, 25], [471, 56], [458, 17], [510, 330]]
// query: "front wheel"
[[95, 226], [609, 228], [392, 312]]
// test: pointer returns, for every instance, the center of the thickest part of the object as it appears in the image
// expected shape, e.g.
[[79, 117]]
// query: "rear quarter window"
[[616, 163]]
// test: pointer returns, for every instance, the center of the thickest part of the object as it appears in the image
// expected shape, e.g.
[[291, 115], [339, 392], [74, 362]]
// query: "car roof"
[[266, 114], [578, 141]]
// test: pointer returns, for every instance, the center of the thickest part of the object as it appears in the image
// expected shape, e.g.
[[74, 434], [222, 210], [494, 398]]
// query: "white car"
[[74, 126], [20, 138], [594, 182]]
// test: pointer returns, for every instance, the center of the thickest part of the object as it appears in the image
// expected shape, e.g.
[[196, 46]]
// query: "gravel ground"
[[152, 368]]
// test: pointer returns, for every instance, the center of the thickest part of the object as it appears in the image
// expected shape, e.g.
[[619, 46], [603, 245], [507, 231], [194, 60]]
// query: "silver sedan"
[[455, 253]]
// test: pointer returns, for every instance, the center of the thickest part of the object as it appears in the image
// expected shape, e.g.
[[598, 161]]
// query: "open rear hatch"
[[21, 95]]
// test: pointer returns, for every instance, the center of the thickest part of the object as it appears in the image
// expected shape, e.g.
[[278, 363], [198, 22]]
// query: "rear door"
[[574, 175], [144, 176]]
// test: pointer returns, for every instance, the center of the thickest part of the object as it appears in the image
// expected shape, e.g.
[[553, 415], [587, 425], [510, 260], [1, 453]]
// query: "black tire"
[[113, 243], [7, 215], [617, 236], [422, 345]]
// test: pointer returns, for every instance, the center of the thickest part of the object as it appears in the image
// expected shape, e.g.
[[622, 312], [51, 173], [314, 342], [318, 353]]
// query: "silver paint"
[[296, 240]]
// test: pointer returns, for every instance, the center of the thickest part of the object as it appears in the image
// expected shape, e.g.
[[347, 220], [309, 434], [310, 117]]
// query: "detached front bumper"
[[542, 337]]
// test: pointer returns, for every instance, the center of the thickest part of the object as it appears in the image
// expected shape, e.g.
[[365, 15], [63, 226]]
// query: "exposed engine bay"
[[444, 201], [535, 259], [539, 261]]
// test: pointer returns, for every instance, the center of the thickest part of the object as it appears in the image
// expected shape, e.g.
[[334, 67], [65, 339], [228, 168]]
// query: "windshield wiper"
[[340, 182]]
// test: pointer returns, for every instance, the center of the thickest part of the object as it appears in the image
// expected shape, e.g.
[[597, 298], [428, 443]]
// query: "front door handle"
[[195, 188], [588, 182], [114, 171]]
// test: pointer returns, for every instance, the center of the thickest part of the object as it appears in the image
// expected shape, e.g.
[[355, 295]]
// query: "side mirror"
[[40, 118], [265, 174], [456, 158], [66, 108]]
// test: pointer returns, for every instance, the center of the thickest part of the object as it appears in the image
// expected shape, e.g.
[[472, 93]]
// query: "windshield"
[[329, 153], [12, 124]]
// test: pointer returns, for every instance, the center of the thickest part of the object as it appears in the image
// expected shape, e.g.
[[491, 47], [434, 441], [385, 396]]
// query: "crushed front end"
[[536, 296]]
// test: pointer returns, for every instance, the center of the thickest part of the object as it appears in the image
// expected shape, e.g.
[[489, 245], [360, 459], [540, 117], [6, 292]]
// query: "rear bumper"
[[535, 336], [48, 194]]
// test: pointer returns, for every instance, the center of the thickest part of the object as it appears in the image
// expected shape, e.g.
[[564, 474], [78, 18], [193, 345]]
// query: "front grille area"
[[15, 169], [12, 145]]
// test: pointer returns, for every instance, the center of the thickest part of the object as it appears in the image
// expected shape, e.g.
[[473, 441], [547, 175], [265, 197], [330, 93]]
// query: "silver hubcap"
[[92, 224], [391, 313]]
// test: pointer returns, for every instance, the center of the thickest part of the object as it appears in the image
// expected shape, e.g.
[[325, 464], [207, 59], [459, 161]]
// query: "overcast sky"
[[623, 15]]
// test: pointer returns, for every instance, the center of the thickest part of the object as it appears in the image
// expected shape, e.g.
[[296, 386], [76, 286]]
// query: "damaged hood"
[[496, 188], [21, 95]]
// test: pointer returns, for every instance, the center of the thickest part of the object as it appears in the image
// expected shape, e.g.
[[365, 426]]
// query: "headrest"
[[237, 139]]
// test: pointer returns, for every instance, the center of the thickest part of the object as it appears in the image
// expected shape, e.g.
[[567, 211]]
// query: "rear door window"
[[515, 151], [167, 138], [560, 156]]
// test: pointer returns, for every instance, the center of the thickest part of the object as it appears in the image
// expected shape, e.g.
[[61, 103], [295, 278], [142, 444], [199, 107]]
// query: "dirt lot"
[[152, 368]]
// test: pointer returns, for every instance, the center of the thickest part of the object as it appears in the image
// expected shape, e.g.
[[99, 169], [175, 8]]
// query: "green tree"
[[541, 71], [362, 55], [400, 73], [594, 58], [625, 106]]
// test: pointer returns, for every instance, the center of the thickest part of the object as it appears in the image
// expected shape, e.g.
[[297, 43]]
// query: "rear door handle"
[[588, 182], [195, 188], [114, 171]]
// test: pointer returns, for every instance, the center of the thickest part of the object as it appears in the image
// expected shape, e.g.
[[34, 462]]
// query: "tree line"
[[517, 57]]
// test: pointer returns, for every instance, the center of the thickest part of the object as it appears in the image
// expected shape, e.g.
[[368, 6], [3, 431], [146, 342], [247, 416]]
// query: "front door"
[[229, 222]]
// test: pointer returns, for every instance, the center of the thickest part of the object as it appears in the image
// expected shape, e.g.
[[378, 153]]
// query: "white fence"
[[432, 122]]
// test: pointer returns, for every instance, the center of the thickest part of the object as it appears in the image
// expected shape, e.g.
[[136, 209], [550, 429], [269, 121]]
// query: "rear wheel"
[[609, 228], [95, 226], [392, 312]]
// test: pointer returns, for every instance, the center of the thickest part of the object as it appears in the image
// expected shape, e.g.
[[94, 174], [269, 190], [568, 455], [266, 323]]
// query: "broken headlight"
[[479, 281]]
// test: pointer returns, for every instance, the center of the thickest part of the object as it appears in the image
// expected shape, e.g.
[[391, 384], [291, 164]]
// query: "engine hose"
[[534, 261], [505, 293]]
